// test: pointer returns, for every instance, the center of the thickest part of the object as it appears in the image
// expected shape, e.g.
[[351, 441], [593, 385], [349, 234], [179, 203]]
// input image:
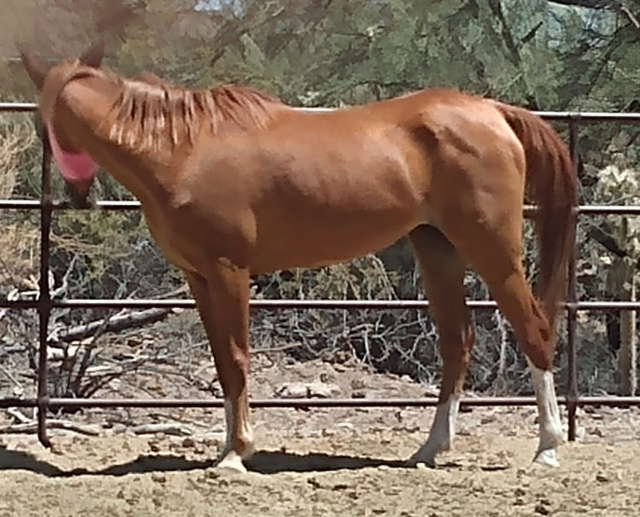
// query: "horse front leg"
[[222, 299]]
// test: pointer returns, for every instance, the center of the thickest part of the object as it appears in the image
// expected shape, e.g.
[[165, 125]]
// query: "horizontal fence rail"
[[35, 204], [44, 304], [304, 403], [291, 304]]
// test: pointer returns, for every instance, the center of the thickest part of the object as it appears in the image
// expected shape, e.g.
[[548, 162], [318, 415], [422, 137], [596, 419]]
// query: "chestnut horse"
[[234, 183]]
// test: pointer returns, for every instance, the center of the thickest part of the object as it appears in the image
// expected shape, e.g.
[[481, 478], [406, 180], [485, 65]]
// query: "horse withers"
[[234, 183]]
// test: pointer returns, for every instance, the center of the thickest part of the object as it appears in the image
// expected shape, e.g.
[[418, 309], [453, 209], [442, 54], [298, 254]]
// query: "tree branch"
[[514, 54], [602, 4], [115, 323], [609, 243], [589, 4]]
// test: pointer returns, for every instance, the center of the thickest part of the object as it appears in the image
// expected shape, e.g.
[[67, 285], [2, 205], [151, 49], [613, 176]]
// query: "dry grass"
[[15, 139], [18, 241]]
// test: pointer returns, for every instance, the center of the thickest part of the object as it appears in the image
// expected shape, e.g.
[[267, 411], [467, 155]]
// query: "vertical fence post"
[[44, 299], [572, 297]]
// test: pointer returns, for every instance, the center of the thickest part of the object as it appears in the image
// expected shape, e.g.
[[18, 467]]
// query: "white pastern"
[[442, 432], [228, 417], [229, 459], [550, 432]]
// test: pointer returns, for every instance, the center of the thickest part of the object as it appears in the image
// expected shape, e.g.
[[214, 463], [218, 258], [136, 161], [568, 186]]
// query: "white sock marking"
[[550, 432], [228, 417], [442, 434], [245, 432]]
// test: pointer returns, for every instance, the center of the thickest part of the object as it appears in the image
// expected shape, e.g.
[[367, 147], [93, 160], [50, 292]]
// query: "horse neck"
[[84, 111]]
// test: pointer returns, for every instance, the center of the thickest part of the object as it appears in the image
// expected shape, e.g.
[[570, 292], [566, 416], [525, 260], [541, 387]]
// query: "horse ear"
[[36, 68], [93, 56]]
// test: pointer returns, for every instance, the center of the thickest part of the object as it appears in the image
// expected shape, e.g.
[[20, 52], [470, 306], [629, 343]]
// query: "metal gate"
[[44, 304]]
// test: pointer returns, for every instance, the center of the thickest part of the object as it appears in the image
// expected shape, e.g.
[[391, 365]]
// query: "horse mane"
[[150, 112]]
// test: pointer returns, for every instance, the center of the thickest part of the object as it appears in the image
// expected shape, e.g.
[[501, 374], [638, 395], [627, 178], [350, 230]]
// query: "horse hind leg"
[[495, 253], [535, 338], [443, 274]]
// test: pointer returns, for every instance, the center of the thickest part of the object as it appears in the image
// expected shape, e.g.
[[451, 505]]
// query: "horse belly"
[[330, 237], [345, 246], [329, 213]]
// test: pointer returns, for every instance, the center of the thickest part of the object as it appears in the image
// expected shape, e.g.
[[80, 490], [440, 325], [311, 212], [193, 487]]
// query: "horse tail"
[[551, 184]]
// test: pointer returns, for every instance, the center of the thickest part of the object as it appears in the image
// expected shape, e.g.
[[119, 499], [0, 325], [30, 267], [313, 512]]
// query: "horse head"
[[77, 168]]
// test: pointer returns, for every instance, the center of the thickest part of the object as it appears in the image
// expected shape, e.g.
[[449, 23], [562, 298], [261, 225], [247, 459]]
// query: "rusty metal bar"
[[605, 306], [44, 299], [35, 204], [529, 210], [18, 304], [70, 403], [18, 107], [608, 210], [293, 304], [589, 117], [572, 298], [558, 116]]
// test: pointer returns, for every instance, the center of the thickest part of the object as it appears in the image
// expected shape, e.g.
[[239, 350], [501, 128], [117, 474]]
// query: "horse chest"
[[171, 241], [193, 242]]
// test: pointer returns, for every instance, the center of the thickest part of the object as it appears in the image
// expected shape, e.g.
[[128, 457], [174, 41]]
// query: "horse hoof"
[[420, 462], [547, 457], [231, 463]]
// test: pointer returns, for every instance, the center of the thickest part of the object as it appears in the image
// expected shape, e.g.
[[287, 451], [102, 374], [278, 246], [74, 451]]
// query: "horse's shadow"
[[266, 462], [17, 460]]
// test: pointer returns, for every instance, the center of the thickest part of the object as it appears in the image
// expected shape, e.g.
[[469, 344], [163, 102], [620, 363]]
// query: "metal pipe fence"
[[44, 304]]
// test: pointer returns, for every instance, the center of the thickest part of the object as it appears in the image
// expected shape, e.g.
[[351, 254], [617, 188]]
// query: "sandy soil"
[[322, 462]]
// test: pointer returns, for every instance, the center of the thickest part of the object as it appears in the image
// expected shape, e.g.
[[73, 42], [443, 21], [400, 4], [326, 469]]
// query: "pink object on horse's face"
[[78, 169]]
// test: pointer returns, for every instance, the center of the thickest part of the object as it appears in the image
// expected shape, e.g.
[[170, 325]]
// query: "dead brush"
[[18, 240]]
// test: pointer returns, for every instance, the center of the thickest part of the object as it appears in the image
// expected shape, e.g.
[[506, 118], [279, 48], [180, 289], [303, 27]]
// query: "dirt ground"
[[323, 461]]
